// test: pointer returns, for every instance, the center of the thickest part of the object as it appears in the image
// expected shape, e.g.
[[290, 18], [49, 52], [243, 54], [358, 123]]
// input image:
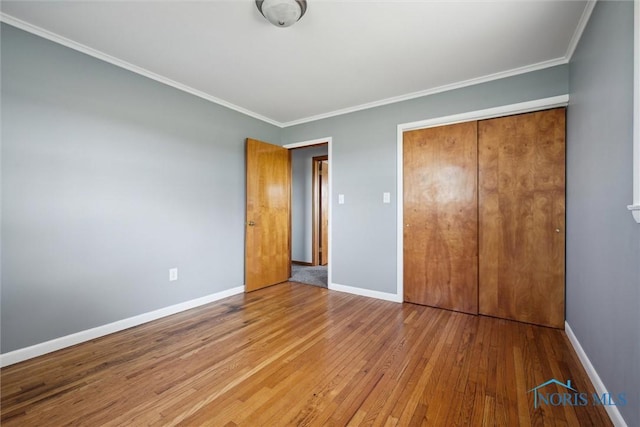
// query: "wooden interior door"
[[324, 212], [268, 222], [440, 215], [522, 217]]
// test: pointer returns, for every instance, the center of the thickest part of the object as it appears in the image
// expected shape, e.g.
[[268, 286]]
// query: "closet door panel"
[[521, 217], [440, 217]]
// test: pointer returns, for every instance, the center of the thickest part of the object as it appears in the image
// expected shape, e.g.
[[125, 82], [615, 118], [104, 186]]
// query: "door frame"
[[316, 209], [329, 141], [489, 113]]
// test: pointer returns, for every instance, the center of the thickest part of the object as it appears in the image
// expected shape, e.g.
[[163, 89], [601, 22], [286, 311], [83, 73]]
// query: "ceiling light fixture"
[[282, 13]]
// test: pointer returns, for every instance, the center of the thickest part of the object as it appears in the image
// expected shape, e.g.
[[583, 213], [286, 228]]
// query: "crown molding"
[[46, 34], [582, 24], [465, 83], [439, 89], [577, 35]]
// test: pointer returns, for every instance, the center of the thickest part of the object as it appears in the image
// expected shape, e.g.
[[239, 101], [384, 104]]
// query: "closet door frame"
[[490, 113]]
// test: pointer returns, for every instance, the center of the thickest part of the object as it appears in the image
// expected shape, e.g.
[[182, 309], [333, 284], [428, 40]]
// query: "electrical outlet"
[[173, 274]]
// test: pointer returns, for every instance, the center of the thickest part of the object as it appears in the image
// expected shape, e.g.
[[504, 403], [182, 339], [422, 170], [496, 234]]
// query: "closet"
[[441, 217], [484, 217]]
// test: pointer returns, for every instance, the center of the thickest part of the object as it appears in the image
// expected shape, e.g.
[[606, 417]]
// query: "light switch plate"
[[341, 199], [386, 197], [173, 274]]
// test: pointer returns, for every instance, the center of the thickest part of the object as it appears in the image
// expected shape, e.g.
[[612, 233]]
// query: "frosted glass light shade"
[[282, 13]]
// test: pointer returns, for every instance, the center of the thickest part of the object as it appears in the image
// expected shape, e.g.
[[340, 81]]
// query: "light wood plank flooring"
[[295, 354]]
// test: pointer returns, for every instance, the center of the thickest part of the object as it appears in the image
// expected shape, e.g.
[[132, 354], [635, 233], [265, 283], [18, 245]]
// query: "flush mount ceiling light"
[[282, 13]]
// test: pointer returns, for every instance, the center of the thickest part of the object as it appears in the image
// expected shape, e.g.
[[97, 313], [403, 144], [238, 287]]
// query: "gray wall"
[[302, 201], [603, 241], [364, 167], [108, 180]]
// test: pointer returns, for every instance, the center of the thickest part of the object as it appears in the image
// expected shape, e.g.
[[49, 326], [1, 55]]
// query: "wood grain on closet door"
[[522, 217], [440, 217]]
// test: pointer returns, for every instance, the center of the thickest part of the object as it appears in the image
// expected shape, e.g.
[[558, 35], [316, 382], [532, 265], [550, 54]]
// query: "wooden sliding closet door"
[[522, 217], [440, 215]]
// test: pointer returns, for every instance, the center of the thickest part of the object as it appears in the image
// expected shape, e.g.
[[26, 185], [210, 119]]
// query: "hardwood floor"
[[294, 354]]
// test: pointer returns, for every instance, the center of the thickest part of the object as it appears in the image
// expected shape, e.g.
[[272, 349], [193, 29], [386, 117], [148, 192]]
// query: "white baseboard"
[[612, 411], [36, 350], [365, 292]]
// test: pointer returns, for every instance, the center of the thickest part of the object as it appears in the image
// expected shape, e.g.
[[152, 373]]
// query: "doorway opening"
[[310, 206]]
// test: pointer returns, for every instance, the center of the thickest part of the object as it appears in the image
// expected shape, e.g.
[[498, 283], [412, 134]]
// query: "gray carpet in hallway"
[[316, 275]]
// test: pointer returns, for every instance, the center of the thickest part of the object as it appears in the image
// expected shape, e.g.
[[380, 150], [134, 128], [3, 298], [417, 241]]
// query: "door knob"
[[557, 230], [251, 223]]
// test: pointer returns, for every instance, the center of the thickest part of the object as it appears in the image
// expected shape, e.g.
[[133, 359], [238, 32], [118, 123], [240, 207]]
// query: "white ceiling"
[[341, 56]]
